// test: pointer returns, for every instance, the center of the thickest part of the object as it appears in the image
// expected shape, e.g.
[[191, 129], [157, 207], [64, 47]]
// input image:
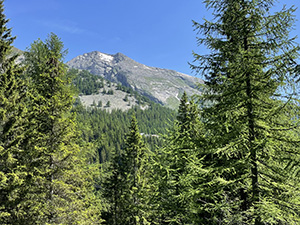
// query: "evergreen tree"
[[126, 188], [113, 186], [252, 149], [61, 191], [110, 127], [13, 112], [136, 157], [126, 98], [173, 163]]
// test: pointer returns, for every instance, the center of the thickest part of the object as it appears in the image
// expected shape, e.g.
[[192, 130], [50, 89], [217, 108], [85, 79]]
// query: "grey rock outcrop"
[[161, 85]]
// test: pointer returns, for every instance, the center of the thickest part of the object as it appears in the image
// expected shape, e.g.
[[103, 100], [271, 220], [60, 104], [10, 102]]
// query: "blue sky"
[[153, 32]]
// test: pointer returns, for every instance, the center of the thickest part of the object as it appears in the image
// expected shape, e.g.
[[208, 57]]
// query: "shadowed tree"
[[126, 189]]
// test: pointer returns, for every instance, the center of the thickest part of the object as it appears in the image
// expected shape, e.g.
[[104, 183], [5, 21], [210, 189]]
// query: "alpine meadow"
[[82, 147]]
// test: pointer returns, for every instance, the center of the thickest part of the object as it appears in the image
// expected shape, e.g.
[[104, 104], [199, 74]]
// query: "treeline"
[[232, 161], [85, 82]]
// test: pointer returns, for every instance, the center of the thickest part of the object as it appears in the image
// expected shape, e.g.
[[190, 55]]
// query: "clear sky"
[[157, 33]]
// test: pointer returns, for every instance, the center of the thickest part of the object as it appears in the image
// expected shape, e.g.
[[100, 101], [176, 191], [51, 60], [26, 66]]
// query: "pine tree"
[[12, 124], [250, 157], [61, 185]]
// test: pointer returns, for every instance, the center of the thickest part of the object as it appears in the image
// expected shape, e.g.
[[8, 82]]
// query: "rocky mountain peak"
[[120, 57], [161, 85], [100, 56]]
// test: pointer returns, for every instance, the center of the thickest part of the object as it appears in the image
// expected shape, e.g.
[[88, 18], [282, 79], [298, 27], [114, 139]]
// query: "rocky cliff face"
[[161, 85]]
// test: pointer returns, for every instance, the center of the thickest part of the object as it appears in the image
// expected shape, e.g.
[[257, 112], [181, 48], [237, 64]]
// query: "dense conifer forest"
[[230, 156]]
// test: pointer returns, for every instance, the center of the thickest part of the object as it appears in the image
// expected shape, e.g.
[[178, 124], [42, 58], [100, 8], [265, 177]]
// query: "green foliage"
[[172, 166], [13, 121], [48, 168], [108, 128], [252, 125], [86, 82], [231, 157], [110, 92], [58, 164], [126, 98], [126, 188]]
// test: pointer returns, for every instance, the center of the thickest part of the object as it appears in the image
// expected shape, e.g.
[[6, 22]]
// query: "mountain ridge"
[[163, 86]]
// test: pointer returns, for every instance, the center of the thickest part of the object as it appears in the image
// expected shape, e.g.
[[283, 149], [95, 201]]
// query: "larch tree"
[[250, 166], [61, 184], [13, 92]]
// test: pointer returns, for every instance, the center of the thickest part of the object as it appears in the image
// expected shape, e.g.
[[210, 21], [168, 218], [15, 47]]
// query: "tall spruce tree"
[[250, 169], [112, 190], [126, 188], [173, 165], [13, 94], [61, 191]]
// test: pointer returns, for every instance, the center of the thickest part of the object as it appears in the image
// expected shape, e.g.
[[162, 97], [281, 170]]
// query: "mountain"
[[15, 51], [95, 91], [160, 85]]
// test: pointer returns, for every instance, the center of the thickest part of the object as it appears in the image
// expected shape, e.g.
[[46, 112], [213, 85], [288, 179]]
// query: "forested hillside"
[[108, 129], [228, 156]]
